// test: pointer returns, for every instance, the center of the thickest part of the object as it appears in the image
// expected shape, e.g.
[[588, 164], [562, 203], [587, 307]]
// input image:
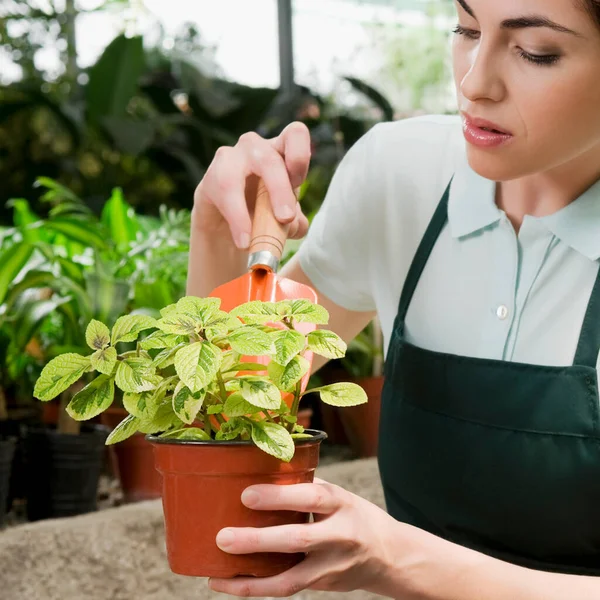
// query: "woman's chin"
[[496, 165]]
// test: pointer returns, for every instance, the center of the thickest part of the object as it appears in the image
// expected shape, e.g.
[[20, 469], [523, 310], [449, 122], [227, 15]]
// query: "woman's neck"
[[545, 193]]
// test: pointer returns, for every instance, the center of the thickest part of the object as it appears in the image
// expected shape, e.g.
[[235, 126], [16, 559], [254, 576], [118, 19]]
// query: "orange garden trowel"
[[261, 281]]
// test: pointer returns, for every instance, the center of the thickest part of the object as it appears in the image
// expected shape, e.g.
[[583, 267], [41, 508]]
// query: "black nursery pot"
[[7, 451], [63, 471]]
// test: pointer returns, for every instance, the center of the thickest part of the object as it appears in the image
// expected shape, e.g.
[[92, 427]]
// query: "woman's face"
[[530, 68]]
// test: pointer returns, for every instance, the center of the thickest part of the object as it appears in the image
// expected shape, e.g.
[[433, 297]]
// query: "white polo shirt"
[[486, 291]]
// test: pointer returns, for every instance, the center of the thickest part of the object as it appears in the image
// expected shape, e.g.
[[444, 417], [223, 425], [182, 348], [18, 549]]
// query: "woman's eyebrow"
[[525, 21]]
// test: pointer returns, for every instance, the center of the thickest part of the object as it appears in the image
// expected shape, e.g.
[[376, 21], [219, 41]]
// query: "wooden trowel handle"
[[268, 234]]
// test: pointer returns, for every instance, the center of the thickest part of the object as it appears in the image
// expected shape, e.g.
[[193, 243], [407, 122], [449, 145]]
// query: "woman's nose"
[[483, 80]]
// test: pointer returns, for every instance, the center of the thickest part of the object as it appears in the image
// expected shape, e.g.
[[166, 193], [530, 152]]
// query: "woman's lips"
[[484, 134]]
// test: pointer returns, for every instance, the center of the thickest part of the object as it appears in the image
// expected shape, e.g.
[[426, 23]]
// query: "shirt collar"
[[578, 223], [472, 202]]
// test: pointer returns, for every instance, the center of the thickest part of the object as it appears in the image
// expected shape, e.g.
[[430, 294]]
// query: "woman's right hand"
[[222, 202]]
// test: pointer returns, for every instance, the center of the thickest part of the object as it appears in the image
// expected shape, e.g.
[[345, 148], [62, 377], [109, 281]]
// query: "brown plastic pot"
[[202, 487], [134, 461]]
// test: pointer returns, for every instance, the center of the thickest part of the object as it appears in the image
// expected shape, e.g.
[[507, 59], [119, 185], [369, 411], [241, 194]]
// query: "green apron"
[[497, 456]]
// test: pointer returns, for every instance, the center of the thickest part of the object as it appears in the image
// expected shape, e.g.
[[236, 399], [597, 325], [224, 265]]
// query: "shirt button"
[[502, 312]]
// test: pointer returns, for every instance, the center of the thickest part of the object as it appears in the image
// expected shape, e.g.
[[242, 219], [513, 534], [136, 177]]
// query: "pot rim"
[[317, 436]]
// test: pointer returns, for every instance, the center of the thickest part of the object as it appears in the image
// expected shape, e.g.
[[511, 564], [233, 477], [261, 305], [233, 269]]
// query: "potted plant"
[[218, 395]]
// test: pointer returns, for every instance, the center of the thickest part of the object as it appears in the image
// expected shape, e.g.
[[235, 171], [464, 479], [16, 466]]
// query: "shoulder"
[[410, 162], [429, 142]]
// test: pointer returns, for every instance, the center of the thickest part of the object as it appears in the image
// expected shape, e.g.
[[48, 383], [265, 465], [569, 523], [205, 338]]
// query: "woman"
[[489, 448]]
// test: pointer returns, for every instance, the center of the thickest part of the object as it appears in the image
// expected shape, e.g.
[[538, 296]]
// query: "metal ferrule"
[[263, 259]]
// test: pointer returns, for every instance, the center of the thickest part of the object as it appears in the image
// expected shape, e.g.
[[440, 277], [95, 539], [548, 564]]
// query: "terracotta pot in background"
[[133, 461], [361, 423], [202, 487]]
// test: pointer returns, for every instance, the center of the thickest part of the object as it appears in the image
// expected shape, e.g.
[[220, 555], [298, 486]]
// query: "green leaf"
[[308, 312], [125, 429], [285, 378], [97, 335], [231, 429], [326, 343], [168, 310], [163, 420], [244, 366], [187, 433], [119, 219], [105, 360], [250, 341], [127, 328], [77, 230], [143, 405], [273, 439], [12, 261], [134, 376], [199, 309], [60, 373], [301, 436], [237, 406], [109, 296], [93, 399], [215, 409], [197, 364], [114, 78], [165, 358], [129, 135], [159, 340], [178, 324], [260, 392], [187, 404], [61, 285], [288, 343], [342, 394], [256, 312]]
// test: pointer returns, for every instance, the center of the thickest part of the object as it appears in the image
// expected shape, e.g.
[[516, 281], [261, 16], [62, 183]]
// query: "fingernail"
[[250, 497], [243, 240], [225, 538], [285, 213]]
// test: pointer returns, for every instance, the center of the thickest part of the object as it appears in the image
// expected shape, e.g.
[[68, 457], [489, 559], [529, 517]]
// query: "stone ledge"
[[118, 554]]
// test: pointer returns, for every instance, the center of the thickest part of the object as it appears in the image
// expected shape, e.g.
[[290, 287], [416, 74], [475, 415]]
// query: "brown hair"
[[593, 7]]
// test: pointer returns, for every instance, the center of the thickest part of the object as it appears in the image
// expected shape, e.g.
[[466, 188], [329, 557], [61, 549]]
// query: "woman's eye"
[[471, 34], [539, 59]]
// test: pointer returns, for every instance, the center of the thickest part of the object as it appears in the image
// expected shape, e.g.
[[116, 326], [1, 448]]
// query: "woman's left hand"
[[349, 546]]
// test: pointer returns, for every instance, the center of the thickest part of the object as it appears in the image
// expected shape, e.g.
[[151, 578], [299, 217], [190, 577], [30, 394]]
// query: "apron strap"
[[589, 339], [440, 216]]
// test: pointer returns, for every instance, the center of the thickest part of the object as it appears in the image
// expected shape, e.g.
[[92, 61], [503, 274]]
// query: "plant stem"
[[220, 419], [269, 417], [222, 387], [295, 404], [207, 424]]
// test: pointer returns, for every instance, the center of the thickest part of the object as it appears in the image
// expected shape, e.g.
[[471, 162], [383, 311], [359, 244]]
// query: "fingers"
[[282, 163], [282, 538], [285, 585], [294, 144], [299, 227], [303, 497], [267, 163]]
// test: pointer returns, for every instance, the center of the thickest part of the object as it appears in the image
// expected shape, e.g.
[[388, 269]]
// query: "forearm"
[[447, 571], [213, 260]]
